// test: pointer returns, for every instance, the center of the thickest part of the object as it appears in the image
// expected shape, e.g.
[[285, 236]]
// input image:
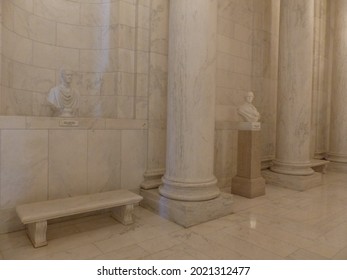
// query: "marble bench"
[[319, 165], [35, 215]]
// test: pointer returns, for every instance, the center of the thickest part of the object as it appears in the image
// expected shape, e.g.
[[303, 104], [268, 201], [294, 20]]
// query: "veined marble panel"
[[67, 163], [104, 160], [16, 47], [98, 106], [24, 167], [27, 5], [133, 156], [58, 10], [52, 57], [159, 26], [99, 15], [127, 13], [156, 144], [99, 60], [87, 37], [34, 27], [31, 78]]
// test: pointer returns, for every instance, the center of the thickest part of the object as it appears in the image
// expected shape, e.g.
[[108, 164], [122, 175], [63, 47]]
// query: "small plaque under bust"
[[69, 123], [253, 126]]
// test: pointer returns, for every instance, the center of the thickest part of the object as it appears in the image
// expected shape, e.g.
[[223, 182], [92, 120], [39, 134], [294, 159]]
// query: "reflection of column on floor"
[[292, 166], [338, 126], [248, 182], [189, 194]]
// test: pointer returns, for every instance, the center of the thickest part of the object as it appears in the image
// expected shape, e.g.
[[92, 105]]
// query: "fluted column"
[[191, 101], [294, 88], [338, 127]]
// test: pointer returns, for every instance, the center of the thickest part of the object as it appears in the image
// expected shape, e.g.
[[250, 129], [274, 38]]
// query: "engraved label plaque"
[[69, 123]]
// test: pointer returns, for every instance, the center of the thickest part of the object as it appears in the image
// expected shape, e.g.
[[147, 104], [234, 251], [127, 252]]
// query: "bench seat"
[[35, 215]]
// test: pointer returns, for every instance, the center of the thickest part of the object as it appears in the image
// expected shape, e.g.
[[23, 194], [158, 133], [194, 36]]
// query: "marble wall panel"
[[142, 85], [27, 5], [126, 61], [126, 37], [156, 144], [159, 26], [99, 15], [17, 102], [127, 13], [98, 106], [100, 60], [158, 86], [141, 108], [225, 157], [16, 47], [143, 39], [125, 107], [8, 14], [125, 84], [67, 163], [53, 57], [87, 37], [31, 78], [57, 10], [109, 85], [34, 27], [104, 160], [24, 167], [134, 146]]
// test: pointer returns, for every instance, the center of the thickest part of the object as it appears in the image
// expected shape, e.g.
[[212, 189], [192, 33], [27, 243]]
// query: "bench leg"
[[123, 214], [37, 233]]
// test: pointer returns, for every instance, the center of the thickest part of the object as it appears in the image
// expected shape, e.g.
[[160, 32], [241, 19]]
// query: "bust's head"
[[249, 96], [66, 76]]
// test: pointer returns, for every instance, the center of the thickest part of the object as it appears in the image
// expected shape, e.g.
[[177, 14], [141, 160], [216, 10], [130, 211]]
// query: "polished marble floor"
[[284, 224]]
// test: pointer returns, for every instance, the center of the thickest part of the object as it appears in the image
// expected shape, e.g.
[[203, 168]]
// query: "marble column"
[[189, 194], [338, 127], [292, 164]]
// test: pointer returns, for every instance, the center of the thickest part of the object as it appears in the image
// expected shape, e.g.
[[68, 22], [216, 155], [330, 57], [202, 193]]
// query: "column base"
[[187, 213], [337, 167], [292, 169], [152, 179], [249, 188], [298, 183]]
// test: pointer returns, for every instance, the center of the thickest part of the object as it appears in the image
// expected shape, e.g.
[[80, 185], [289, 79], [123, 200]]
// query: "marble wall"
[[41, 160], [321, 75], [247, 60], [104, 42], [157, 86], [118, 50]]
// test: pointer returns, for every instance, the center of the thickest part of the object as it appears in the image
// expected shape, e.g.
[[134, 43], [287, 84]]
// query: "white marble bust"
[[64, 99], [247, 110]]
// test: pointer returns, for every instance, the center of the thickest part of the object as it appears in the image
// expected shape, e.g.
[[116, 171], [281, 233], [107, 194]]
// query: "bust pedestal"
[[248, 182]]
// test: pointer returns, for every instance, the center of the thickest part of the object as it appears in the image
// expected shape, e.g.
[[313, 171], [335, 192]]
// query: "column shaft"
[[338, 127], [191, 101], [295, 88]]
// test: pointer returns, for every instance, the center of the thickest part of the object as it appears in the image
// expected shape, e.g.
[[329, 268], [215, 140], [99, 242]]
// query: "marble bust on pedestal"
[[247, 110], [63, 98], [248, 181]]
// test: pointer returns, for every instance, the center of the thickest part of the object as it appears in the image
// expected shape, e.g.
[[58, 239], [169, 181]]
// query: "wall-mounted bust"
[[64, 99], [247, 110]]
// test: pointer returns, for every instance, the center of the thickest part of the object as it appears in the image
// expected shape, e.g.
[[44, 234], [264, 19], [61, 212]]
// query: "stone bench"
[[35, 215], [319, 165]]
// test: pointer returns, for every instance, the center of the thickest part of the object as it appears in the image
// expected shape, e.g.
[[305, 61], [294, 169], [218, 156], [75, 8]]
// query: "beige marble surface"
[[191, 102], [104, 161], [285, 224], [67, 163], [24, 165], [338, 124], [294, 102]]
